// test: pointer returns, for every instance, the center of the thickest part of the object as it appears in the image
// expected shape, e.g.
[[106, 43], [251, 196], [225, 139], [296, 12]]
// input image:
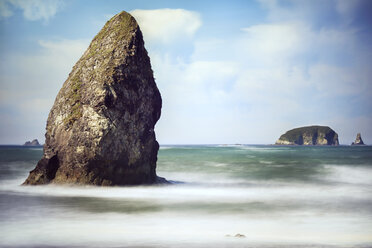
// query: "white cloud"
[[167, 25], [330, 79], [293, 57], [271, 78], [5, 10], [32, 9], [47, 67], [271, 39], [348, 9], [30, 83]]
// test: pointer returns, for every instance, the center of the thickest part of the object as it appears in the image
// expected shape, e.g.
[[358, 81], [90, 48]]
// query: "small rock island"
[[34, 142], [358, 141], [100, 130], [310, 135]]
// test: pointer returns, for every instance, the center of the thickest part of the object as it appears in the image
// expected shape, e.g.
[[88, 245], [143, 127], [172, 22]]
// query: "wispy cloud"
[[5, 9], [33, 10], [167, 25], [29, 85]]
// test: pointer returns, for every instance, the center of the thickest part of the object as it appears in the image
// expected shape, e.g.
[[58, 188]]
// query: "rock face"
[[100, 129], [312, 135], [35, 142], [358, 141]]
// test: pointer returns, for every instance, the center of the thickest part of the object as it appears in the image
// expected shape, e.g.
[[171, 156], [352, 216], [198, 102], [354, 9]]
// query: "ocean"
[[222, 196]]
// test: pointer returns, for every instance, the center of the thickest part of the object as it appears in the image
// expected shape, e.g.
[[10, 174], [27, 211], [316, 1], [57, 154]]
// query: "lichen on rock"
[[100, 129]]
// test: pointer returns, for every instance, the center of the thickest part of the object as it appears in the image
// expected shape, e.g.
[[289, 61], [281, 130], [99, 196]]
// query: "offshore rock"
[[358, 141], [100, 129], [34, 142], [311, 135]]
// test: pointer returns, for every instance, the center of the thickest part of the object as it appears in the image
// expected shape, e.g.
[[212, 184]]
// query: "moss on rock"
[[74, 101]]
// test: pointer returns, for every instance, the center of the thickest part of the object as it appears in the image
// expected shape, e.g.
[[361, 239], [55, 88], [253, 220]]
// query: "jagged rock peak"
[[311, 135], [358, 141], [100, 129]]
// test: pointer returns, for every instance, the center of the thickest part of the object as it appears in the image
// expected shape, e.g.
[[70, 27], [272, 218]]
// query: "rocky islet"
[[358, 141], [34, 142], [310, 135]]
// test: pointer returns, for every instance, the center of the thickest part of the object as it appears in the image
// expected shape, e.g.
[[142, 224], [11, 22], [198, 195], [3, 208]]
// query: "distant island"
[[358, 141], [35, 142], [310, 135]]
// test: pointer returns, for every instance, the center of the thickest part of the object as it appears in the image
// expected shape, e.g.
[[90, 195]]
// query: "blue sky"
[[228, 71]]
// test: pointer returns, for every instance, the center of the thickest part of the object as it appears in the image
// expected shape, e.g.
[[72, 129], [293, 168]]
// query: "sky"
[[229, 72]]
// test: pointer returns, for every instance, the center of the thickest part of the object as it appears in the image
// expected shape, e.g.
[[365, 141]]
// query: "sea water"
[[276, 196]]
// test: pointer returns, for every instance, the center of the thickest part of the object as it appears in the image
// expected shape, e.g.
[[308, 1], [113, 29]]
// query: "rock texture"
[[311, 135], [35, 142], [358, 141], [100, 129]]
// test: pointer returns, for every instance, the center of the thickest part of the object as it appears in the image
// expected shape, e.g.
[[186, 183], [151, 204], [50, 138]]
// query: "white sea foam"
[[176, 230], [216, 164], [264, 148], [270, 193], [265, 162], [179, 228], [349, 174], [194, 215], [166, 147], [229, 145], [214, 201], [250, 156]]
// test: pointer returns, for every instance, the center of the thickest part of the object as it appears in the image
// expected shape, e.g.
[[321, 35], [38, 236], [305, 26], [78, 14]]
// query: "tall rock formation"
[[100, 129], [311, 135], [358, 141]]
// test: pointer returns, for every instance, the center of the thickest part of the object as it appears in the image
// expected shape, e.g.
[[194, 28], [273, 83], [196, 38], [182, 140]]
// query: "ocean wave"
[[349, 174], [264, 148], [165, 147], [265, 162], [216, 164]]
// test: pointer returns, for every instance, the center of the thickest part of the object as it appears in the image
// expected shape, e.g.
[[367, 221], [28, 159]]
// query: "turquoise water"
[[276, 196]]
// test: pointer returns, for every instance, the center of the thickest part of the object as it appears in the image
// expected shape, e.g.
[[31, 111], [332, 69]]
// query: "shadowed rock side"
[[312, 135], [358, 141], [100, 129]]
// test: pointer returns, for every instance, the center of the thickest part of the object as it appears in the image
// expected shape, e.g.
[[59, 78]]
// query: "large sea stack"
[[311, 135], [100, 129]]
